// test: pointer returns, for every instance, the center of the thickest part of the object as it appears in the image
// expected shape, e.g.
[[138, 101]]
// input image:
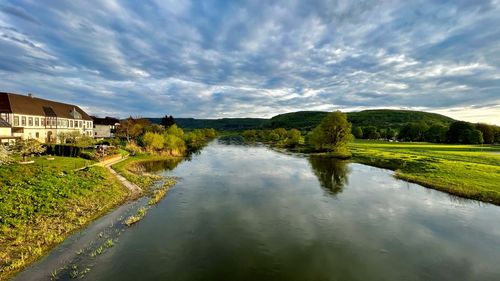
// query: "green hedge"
[[64, 150]]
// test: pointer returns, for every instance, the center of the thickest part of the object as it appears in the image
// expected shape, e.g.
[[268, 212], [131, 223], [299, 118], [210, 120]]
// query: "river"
[[251, 213]]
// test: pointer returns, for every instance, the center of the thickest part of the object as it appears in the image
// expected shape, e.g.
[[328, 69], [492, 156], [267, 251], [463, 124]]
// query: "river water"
[[251, 213]]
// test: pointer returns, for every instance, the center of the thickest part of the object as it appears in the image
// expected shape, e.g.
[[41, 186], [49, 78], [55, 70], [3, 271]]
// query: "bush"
[[133, 148], [64, 150], [89, 155]]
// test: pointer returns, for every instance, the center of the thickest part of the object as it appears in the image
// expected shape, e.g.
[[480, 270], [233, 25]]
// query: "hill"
[[305, 120], [224, 124]]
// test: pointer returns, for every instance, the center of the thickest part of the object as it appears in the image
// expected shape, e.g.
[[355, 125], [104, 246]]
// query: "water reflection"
[[250, 213], [161, 165], [331, 173]]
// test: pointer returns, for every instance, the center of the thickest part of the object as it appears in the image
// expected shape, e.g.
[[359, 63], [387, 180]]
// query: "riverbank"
[[43, 203], [134, 168], [469, 171]]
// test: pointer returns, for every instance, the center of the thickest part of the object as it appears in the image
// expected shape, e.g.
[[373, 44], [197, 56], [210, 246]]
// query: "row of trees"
[[457, 132], [331, 135], [281, 136], [174, 141]]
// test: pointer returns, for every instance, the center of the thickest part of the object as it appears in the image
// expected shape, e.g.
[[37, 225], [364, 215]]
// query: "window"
[[37, 135], [58, 123], [80, 124], [23, 120], [71, 124], [30, 121], [16, 120], [37, 122], [95, 134], [53, 122]]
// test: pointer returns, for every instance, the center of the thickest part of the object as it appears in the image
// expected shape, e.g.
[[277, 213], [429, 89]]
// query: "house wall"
[[40, 127], [5, 132], [103, 131]]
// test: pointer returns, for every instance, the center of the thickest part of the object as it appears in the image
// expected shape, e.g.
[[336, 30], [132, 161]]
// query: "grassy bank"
[[468, 171], [42, 203], [134, 168]]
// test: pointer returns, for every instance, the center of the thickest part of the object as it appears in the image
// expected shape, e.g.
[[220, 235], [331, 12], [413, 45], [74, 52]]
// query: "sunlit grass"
[[469, 171], [42, 203]]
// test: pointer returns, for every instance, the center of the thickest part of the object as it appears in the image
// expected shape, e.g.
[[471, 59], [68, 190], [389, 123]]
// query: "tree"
[[73, 136], [174, 145], [249, 134], [176, 131], [28, 147], [210, 133], [4, 155], [332, 133], [436, 133], [62, 136], [155, 128], [84, 141], [281, 132], [357, 132], [132, 128], [167, 121], [459, 132], [371, 133], [153, 141], [488, 132], [273, 136], [497, 136], [413, 132], [476, 137], [390, 133], [293, 138]]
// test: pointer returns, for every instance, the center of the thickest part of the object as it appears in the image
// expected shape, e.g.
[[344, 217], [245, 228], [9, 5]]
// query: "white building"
[[105, 127], [35, 118], [5, 132]]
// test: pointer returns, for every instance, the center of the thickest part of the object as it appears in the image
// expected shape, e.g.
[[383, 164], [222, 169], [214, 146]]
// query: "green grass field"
[[42, 203], [470, 171]]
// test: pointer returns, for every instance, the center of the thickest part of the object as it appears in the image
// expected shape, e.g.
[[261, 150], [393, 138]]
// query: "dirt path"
[[133, 188]]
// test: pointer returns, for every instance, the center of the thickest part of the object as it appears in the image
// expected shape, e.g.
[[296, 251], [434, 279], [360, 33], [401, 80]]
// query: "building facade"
[[6, 132], [35, 118], [105, 127]]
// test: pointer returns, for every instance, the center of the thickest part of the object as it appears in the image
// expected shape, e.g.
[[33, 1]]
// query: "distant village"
[[29, 117]]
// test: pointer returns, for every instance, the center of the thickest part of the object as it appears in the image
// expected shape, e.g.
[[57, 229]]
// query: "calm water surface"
[[251, 213]]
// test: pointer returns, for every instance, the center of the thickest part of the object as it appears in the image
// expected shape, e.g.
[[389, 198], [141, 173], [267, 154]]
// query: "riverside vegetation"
[[470, 171], [43, 202]]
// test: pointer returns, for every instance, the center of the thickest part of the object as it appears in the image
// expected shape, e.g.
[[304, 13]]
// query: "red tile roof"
[[29, 105]]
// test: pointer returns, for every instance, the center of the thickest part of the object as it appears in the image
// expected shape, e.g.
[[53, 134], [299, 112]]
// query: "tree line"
[[457, 132], [331, 135], [142, 135]]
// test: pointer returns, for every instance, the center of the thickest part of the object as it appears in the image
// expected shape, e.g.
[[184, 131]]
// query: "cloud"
[[253, 58]]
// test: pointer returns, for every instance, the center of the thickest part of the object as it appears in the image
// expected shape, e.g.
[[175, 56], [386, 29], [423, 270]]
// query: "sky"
[[213, 59]]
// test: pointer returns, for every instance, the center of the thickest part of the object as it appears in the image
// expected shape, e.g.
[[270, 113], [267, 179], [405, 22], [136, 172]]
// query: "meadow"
[[470, 171], [44, 202]]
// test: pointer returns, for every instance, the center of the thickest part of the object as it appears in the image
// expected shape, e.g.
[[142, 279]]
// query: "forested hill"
[[225, 124], [380, 118]]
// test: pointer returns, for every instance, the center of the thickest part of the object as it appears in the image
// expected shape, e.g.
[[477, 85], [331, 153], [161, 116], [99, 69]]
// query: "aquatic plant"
[[137, 217]]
